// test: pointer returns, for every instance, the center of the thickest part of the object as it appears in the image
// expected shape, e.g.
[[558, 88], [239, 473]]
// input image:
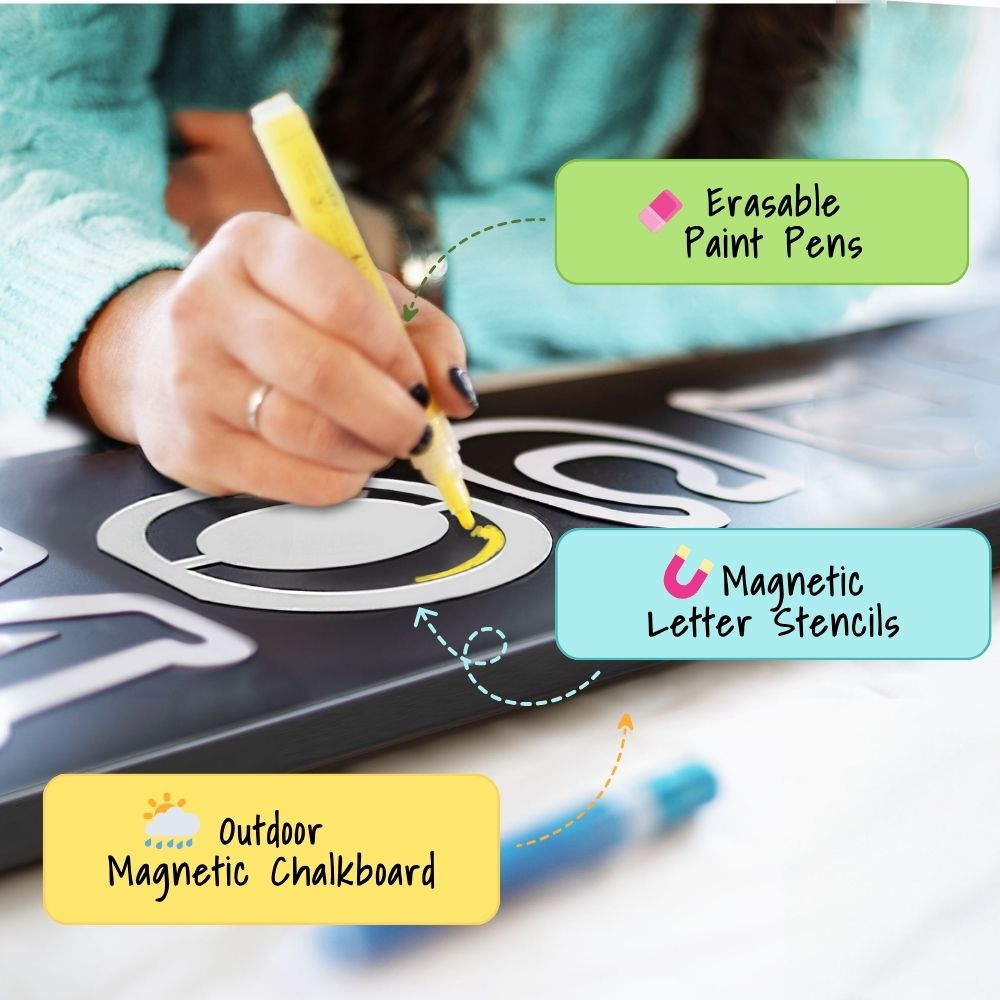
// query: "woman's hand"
[[224, 173], [172, 362]]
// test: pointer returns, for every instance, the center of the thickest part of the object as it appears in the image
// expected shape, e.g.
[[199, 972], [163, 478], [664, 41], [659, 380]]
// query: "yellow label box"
[[265, 848]]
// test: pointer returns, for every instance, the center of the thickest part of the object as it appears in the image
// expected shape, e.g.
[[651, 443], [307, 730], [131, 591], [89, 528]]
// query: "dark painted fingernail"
[[421, 394], [461, 381], [424, 443]]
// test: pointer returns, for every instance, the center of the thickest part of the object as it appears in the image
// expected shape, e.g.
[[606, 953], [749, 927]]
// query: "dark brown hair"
[[405, 73]]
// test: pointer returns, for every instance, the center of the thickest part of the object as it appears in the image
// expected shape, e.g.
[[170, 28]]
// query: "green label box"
[[762, 222]]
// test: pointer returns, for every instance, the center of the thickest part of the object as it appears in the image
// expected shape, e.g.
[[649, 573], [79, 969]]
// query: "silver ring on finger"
[[254, 403]]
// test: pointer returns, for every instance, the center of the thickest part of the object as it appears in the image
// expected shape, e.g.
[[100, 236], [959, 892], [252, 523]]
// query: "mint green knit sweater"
[[85, 92]]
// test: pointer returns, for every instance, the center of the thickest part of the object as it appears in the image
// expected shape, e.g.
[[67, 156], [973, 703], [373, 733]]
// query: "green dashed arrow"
[[410, 309]]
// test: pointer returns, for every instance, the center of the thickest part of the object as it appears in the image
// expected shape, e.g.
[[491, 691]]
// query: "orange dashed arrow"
[[625, 724]]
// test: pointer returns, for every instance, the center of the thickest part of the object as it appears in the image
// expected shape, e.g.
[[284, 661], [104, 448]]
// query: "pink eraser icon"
[[660, 211]]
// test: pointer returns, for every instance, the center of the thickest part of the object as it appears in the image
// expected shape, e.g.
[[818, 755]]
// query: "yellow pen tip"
[[456, 496]]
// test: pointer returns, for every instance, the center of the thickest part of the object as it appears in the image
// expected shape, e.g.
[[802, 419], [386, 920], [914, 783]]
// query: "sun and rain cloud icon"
[[169, 824]]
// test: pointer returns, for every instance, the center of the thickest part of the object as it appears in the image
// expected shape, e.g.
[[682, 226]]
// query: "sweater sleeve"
[[888, 97], [82, 169]]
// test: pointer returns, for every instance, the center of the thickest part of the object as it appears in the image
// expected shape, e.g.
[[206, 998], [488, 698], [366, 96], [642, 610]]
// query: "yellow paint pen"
[[319, 206]]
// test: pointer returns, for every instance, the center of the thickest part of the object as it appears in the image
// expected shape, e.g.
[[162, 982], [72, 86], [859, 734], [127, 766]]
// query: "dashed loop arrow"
[[424, 616]]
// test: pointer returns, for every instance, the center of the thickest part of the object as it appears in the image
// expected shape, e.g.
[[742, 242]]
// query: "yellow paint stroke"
[[493, 542]]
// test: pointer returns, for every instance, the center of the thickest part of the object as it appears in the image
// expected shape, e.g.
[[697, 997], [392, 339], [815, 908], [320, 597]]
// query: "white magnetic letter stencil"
[[362, 530], [17, 554], [621, 441], [218, 646], [843, 410]]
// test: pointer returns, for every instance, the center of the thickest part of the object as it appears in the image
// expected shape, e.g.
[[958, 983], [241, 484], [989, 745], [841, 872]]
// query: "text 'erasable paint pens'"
[[318, 205], [657, 805]]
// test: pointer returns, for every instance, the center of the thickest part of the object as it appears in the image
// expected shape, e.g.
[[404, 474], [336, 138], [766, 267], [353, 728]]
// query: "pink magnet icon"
[[660, 211], [673, 586]]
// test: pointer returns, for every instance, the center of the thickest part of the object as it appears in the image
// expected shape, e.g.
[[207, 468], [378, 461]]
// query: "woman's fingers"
[[325, 373], [192, 199], [291, 426], [265, 303], [326, 290], [212, 128], [300, 430], [439, 343], [247, 464]]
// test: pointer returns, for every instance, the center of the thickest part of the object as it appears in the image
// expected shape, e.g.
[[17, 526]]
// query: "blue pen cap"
[[677, 794]]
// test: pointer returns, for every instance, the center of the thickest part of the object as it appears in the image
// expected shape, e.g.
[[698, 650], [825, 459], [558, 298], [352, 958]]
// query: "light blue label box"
[[750, 594]]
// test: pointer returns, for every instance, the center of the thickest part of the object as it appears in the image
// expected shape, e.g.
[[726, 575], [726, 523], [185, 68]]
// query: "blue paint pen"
[[654, 807]]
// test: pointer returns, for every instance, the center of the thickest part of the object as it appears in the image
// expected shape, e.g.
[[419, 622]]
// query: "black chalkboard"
[[891, 427]]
